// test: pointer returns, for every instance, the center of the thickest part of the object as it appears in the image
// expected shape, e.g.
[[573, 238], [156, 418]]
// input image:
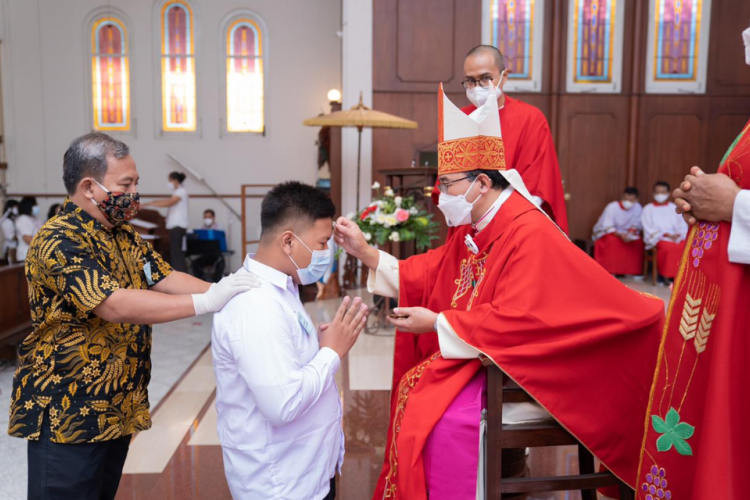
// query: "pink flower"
[[402, 215]]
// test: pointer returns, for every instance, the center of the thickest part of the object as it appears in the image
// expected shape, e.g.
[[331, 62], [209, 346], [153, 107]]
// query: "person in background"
[[618, 246], [8, 228], [209, 220], [664, 230], [53, 210], [210, 266], [95, 288], [177, 218], [27, 225]]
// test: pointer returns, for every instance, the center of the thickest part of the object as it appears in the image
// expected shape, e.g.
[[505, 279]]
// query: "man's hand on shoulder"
[[222, 292]]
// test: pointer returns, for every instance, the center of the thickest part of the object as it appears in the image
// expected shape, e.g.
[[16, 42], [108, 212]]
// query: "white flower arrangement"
[[394, 236], [368, 236], [376, 185]]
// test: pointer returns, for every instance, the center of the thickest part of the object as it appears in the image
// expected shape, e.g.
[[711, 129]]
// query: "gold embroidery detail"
[[407, 383]]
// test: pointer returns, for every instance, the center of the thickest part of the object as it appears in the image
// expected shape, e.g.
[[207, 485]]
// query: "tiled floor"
[[179, 458]]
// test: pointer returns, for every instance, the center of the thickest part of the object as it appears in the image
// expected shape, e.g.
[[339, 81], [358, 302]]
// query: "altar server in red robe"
[[507, 284], [695, 445], [665, 230], [618, 245], [529, 148]]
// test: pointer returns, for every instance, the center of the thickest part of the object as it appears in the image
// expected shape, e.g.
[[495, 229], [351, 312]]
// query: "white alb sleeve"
[[384, 280], [739, 236]]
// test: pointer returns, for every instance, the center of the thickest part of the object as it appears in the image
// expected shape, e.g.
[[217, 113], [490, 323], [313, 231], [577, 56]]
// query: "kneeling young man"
[[279, 414]]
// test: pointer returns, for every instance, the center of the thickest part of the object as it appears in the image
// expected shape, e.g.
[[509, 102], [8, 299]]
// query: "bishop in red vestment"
[[696, 440], [529, 148], [509, 285]]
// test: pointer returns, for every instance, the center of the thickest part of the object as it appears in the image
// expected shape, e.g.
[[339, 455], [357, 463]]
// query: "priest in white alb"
[[664, 230], [618, 246]]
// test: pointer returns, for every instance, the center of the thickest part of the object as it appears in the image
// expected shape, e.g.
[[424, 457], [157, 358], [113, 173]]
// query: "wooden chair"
[[501, 437], [650, 256]]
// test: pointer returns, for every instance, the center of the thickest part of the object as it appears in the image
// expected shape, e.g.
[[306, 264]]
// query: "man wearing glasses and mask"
[[528, 142]]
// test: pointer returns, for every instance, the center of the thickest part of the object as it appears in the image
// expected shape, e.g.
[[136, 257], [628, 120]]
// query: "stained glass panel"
[[110, 75], [677, 27], [594, 25], [512, 27], [178, 68], [245, 111]]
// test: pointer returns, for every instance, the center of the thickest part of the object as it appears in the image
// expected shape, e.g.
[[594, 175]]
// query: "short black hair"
[[491, 50], [294, 201], [209, 210], [177, 176], [87, 157], [498, 180], [10, 204], [631, 190], [53, 209], [26, 206], [663, 184]]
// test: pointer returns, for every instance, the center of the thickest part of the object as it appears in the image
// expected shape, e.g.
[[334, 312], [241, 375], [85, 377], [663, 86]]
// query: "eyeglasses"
[[485, 82], [443, 186]]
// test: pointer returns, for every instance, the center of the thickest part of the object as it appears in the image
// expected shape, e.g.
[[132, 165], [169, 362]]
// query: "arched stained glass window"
[[110, 75], [178, 67], [244, 80]]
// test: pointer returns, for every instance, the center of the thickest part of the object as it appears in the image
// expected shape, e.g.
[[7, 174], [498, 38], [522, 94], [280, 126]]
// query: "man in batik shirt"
[[95, 287]]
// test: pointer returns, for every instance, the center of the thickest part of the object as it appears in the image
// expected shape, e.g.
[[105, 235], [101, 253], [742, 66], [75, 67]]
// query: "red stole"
[[529, 149], [696, 440], [583, 347]]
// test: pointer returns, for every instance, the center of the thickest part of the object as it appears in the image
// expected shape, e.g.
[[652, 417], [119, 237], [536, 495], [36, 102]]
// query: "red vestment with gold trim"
[[696, 441], [581, 343]]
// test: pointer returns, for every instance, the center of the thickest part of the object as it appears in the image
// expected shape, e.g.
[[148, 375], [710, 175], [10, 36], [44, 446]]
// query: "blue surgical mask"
[[35, 210], [321, 261]]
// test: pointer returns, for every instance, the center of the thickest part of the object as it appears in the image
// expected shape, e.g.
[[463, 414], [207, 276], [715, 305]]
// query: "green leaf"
[[682, 447], [664, 443], [684, 430], [658, 424], [673, 418]]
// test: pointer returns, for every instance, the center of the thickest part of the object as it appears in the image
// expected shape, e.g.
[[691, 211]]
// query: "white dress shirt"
[[26, 225], [279, 413], [8, 227], [177, 215], [385, 281], [739, 237]]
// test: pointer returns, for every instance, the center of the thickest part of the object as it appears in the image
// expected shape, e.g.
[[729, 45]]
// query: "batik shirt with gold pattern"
[[84, 377]]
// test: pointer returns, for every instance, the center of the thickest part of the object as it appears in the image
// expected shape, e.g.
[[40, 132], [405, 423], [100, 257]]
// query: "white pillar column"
[[356, 78]]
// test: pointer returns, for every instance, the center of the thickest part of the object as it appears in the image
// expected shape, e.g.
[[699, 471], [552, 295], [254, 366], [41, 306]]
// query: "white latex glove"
[[222, 292]]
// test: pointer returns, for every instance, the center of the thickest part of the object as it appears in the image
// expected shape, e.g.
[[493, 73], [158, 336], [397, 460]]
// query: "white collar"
[[273, 276], [490, 214]]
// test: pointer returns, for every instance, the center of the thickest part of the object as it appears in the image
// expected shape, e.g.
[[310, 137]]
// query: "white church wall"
[[45, 72]]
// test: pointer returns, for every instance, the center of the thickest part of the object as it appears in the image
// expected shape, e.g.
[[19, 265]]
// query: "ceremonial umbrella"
[[360, 116]]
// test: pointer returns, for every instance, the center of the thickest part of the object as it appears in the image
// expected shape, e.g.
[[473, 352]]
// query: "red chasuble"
[[697, 435], [581, 343], [529, 150]]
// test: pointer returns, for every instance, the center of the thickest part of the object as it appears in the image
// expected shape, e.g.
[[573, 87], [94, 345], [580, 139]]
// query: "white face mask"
[[208, 222], [746, 39], [456, 209], [14, 210], [170, 186], [661, 198], [479, 95], [627, 204], [321, 261]]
